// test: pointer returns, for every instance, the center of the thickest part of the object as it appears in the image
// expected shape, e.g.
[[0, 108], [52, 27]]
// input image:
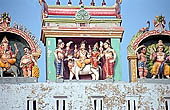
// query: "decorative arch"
[[21, 31], [22, 37], [140, 36]]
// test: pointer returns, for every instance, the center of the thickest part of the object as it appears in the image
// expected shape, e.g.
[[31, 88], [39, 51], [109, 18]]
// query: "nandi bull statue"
[[85, 62]]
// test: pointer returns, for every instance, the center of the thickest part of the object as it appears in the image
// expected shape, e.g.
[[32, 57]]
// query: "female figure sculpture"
[[109, 60]]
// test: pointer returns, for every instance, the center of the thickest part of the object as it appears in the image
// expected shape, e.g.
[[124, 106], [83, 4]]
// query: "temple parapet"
[[149, 52]]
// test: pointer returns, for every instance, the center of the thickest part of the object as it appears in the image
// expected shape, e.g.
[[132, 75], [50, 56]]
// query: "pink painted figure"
[[142, 68], [109, 60], [27, 62]]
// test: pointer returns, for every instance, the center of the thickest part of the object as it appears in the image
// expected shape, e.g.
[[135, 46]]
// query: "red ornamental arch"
[[22, 34], [148, 34]]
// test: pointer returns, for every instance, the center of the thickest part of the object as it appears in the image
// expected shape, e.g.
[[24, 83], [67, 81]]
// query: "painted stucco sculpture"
[[16, 38], [142, 60], [76, 24], [159, 66], [109, 55], [84, 59], [150, 39], [27, 63], [8, 58]]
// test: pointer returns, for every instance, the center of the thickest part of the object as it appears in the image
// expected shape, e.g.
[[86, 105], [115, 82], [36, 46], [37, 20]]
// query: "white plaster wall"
[[148, 96]]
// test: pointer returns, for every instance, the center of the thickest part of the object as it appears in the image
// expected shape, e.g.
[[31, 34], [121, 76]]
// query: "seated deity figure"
[[7, 57], [59, 59], [142, 68], [159, 64], [82, 54], [109, 55], [27, 62]]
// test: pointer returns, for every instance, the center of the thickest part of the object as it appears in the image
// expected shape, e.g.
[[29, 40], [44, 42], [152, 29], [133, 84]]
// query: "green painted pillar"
[[50, 48], [115, 43]]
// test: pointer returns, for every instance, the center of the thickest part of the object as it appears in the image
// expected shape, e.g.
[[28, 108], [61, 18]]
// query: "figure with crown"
[[59, 59], [159, 57], [8, 58], [109, 56]]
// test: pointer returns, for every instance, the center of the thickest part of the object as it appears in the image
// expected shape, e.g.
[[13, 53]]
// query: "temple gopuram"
[[83, 63]]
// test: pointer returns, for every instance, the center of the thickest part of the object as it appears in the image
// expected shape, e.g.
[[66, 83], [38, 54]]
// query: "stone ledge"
[[15, 80], [162, 81], [84, 81]]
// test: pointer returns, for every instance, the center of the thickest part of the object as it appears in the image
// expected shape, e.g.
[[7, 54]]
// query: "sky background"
[[135, 13]]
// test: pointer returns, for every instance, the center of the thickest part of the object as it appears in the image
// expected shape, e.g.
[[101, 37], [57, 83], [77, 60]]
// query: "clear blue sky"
[[135, 13]]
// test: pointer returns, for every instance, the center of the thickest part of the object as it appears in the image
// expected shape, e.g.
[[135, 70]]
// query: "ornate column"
[[115, 43], [132, 68], [50, 47]]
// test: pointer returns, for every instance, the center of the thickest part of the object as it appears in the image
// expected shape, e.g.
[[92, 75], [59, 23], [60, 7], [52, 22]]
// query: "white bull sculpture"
[[88, 69]]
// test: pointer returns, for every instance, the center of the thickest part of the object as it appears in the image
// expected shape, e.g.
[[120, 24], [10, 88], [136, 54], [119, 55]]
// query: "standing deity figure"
[[59, 59], [7, 57], [27, 62], [142, 68], [82, 55], [109, 55], [159, 66], [95, 56]]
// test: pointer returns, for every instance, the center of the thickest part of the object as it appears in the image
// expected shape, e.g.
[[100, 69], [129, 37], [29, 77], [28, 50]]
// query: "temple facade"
[[83, 64]]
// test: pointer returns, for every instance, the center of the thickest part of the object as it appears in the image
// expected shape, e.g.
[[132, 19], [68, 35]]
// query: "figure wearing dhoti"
[[142, 68], [159, 64], [27, 62], [82, 56], [59, 59]]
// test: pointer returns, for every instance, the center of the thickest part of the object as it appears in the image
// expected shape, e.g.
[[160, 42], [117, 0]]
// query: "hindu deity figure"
[[27, 62], [59, 59], [142, 68], [159, 23], [159, 66], [82, 55], [109, 55], [7, 58], [95, 56]]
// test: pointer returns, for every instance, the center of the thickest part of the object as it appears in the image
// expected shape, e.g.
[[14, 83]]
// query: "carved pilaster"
[[133, 67]]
